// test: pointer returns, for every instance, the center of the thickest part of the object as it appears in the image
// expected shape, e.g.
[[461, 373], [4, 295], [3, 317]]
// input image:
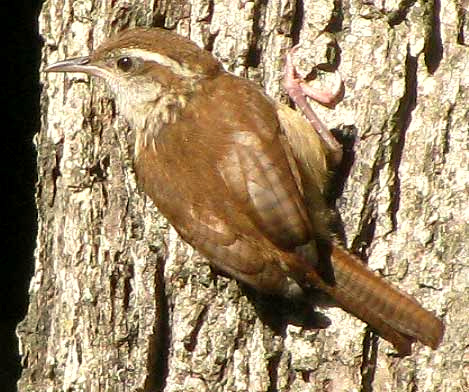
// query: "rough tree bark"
[[119, 303]]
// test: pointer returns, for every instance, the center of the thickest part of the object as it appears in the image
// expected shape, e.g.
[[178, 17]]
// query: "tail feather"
[[396, 316]]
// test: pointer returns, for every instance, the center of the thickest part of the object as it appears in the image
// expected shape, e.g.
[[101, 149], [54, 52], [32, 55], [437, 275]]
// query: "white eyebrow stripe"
[[160, 59]]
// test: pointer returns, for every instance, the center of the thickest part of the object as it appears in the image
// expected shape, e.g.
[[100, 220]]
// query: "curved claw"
[[328, 98], [292, 81]]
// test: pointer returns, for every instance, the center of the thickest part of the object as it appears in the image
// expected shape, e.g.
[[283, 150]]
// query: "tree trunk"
[[120, 303]]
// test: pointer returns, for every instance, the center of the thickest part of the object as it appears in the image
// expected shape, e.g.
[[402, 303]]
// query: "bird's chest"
[[178, 171]]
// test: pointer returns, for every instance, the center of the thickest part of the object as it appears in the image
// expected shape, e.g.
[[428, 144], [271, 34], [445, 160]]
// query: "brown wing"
[[260, 176]]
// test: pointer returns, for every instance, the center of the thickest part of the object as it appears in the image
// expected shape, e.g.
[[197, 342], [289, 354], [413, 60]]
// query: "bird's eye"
[[125, 63]]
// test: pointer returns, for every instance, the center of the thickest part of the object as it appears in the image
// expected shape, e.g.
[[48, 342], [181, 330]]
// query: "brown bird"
[[242, 178]]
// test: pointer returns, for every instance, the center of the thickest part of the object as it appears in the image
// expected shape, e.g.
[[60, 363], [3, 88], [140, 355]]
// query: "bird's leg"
[[298, 90]]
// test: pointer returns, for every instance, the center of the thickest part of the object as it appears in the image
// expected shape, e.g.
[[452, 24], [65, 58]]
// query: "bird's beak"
[[78, 64]]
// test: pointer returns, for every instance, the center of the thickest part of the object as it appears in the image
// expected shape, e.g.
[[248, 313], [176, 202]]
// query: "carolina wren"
[[242, 178]]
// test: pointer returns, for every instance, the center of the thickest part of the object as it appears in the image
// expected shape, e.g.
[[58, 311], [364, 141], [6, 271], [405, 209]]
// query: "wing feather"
[[259, 175]]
